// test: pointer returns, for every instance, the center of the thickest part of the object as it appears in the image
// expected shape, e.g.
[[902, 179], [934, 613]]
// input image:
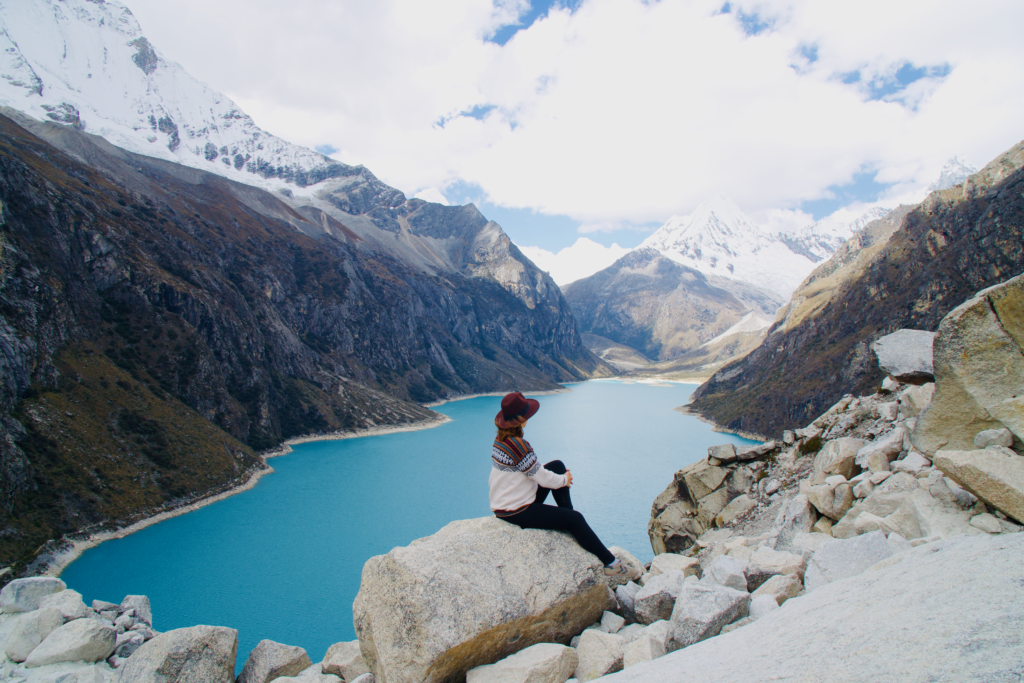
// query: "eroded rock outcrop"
[[469, 595]]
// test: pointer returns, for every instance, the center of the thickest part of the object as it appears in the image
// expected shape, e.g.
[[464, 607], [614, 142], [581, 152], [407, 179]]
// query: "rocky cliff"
[[158, 325], [960, 240]]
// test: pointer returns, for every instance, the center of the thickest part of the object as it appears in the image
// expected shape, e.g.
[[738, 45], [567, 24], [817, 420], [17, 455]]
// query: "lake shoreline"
[[685, 410], [72, 548]]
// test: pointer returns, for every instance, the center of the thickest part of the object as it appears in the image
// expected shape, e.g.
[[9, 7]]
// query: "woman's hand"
[[568, 478]]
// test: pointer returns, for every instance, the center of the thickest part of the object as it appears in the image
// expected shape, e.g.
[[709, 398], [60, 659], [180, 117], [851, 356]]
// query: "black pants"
[[562, 518]]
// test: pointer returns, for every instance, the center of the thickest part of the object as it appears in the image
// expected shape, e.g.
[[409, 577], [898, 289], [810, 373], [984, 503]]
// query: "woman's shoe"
[[620, 568]]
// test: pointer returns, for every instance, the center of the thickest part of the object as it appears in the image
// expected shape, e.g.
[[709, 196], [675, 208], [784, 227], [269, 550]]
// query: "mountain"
[[820, 240], [905, 271], [954, 172], [663, 309], [718, 239]]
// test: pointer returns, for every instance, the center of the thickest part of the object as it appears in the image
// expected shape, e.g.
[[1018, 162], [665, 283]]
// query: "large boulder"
[[702, 609], [599, 654], [270, 660], [906, 355], [29, 630], [541, 663], [139, 603], [994, 474], [68, 602], [198, 654], [24, 595], [86, 640], [475, 592], [958, 619], [796, 517], [979, 370], [654, 601], [345, 660], [839, 559], [837, 456]]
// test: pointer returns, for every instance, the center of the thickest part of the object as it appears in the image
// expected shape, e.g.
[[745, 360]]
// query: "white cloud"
[[582, 259], [431, 194], [623, 111]]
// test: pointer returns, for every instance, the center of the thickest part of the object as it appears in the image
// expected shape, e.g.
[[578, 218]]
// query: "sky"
[[598, 120]]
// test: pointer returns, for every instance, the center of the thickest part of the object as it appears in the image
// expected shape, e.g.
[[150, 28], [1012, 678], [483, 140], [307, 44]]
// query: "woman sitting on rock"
[[520, 485]]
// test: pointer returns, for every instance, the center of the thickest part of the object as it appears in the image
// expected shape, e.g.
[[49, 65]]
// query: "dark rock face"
[[659, 307], [957, 242], [159, 324]]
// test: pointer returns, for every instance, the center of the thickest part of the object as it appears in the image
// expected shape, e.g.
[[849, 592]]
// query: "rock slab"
[[701, 610], [995, 475], [906, 354], [906, 630], [199, 654], [842, 558], [270, 660], [84, 640], [469, 596], [24, 595], [541, 663]]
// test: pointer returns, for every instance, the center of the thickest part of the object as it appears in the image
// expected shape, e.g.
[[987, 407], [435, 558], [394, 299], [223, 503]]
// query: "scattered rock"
[[611, 622], [796, 517], [725, 571], [30, 629], [654, 601], [701, 610], [139, 603], [916, 399], [913, 463], [25, 595], [766, 563], [643, 649], [666, 562], [103, 606], [780, 587], [270, 660], [599, 654], [626, 595], [68, 602], [987, 523], [82, 639], [995, 475], [199, 654], [840, 559], [469, 595], [762, 605], [877, 455], [541, 663], [994, 437], [837, 456], [127, 643], [906, 355], [739, 506]]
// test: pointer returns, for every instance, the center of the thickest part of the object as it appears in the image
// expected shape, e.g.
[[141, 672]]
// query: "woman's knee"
[[555, 466]]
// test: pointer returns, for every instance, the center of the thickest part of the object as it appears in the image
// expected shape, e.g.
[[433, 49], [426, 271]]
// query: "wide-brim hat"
[[515, 410]]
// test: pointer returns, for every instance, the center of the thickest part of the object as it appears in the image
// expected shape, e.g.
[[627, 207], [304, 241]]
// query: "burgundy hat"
[[515, 410]]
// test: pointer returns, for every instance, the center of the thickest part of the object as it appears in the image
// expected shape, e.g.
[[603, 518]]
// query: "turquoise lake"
[[283, 560]]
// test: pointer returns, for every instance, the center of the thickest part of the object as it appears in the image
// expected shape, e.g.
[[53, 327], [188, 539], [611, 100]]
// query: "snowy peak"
[[86, 63], [954, 172], [719, 239], [820, 240]]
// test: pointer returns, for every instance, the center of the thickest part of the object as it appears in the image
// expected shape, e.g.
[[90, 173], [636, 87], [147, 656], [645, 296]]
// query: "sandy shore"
[[76, 546]]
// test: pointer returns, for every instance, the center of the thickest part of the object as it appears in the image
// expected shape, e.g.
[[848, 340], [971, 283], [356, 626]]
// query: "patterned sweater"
[[515, 475]]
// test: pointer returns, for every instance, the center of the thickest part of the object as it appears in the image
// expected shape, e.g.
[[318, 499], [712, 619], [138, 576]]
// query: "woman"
[[520, 485]]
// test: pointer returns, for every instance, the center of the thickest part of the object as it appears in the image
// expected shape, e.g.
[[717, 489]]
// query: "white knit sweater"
[[516, 474]]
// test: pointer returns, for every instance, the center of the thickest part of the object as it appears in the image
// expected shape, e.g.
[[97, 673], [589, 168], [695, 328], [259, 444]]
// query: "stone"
[[124, 622], [661, 631], [654, 601], [68, 602], [738, 506], [878, 626], [994, 437], [877, 455], [365, 678], [835, 480], [624, 556], [772, 486], [701, 610], [766, 563], [270, 660], [710, 505], [863, 489], [701, 479], [987, 523], [713, 536], [837, 456], [979, 370], [82, 639], [913, 463], [906, 355], [889, 411], [469, 596], [867, 522], [915, 399], [139, 603], [103, 606], [631, 632], [796, 516], [762, 605], [599, 654], [127, 643], [840, 559], [25, 595], [808, 544], [666, 562], [923, 516], [780, 587], [822, 497], [313, 674], [725, 571], [843, 500], [198, 654], [675, 528], [728, 628], [724, 453], [540, 663], [611, 622], [823, 526], [30, 629], [995, 475], [626, 595], [889, 385], [643, 649]]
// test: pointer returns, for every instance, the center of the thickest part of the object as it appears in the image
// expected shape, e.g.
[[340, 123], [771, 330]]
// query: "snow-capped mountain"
[[954, 172], [818, 241], [87, 64], [719, 239]]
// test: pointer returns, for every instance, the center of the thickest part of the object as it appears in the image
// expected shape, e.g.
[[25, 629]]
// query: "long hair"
[[511, 431]]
